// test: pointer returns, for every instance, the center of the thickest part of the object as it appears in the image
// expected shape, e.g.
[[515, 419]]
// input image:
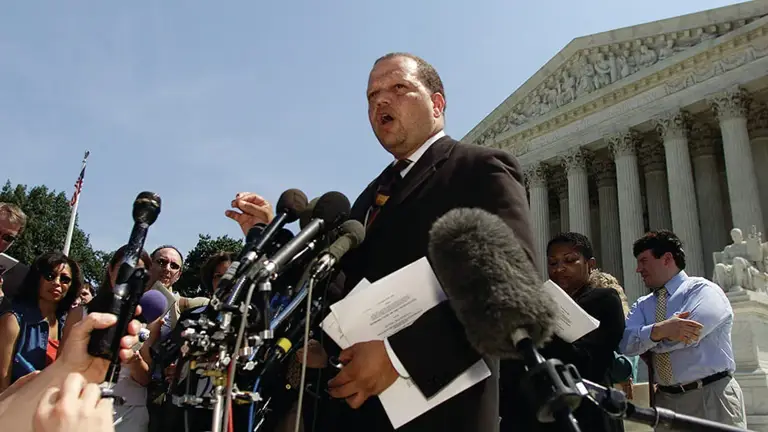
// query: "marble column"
[[714, 235], [575, 163], [594, 223], [757, 125], [536, 180], [554, 210], [731, 110], [651, 154], [623, 146], [560, 184], [673, 128], [608, 204]]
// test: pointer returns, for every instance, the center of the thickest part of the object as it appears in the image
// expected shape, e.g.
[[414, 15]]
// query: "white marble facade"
[[661, 125]]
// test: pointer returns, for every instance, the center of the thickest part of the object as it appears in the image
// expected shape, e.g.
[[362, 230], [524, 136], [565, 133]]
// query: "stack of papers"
[[376, 311], [573, 322]]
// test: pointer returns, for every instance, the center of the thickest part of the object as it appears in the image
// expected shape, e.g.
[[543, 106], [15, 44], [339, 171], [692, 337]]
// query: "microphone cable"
[[302, 381], [233, 362]]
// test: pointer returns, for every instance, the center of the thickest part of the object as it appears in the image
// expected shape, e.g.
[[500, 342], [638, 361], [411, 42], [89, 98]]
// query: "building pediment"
[[591, 66]]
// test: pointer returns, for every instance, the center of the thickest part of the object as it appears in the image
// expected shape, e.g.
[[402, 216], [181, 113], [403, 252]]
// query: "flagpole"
[[73, 215]]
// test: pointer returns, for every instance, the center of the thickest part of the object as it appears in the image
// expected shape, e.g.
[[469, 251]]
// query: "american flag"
[[79, 182]]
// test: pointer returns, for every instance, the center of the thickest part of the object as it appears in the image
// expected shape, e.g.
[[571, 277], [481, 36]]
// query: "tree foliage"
[[48, 215], [189, 284]]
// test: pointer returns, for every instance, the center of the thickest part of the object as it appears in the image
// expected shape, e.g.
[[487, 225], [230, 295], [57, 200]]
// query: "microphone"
[[227, 279], [490, 281], [291, 204], [306, 215], [331, 209], [280, 239], [495, 291], [153, 305], [124, 296], [353, 234]]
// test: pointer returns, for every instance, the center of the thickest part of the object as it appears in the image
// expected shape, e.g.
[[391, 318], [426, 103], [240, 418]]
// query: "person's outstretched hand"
[[75, 357], [76, 407]]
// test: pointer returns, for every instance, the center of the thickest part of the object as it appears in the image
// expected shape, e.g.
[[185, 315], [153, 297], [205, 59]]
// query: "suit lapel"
[[425, 167]]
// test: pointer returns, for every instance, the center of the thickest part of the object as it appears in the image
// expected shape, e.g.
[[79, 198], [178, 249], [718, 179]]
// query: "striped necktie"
[[386, 187], [661, 361]]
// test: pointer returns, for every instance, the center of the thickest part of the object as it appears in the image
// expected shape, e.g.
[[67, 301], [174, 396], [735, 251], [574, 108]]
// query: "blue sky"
[[199, 100]]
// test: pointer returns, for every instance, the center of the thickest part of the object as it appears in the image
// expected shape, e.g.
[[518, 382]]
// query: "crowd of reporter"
[[44, 328]]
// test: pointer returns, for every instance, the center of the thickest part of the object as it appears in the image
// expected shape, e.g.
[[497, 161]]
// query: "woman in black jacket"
[[570, 260]]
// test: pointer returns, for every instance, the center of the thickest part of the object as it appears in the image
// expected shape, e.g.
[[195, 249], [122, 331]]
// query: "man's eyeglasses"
[[8, 238], [162, 262], [63, 279]]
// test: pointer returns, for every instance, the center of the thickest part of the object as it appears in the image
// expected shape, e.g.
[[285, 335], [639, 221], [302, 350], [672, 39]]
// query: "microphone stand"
[[615, 403], [550, 383]]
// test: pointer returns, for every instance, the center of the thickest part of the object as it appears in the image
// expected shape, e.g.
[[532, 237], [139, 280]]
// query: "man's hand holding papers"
[[367, 372], [374, 311]]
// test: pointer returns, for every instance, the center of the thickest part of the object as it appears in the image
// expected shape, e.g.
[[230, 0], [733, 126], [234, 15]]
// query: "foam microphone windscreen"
[[352, 234], [293, 203], [333, 208], [153, 305], [490, 281], [306, 215]]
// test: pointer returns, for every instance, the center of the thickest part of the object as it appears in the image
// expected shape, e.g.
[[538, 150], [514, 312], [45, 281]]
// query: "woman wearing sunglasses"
[[30, 332]]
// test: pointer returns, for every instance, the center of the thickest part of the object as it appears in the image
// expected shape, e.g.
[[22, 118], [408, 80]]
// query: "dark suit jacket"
[[434, 349], [12, 280], [592, 355]]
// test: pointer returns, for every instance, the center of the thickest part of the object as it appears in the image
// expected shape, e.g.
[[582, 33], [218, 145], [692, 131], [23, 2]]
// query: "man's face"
[[166, 266], [85, 295], [401, 110], [654, 271], [9, 232]]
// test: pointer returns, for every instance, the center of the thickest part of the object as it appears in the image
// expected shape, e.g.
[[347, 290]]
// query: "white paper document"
[[572, 321], [331, 324], [381, 309]]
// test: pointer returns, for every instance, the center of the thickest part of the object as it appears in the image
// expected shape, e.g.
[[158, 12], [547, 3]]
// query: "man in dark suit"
[[432, 174]]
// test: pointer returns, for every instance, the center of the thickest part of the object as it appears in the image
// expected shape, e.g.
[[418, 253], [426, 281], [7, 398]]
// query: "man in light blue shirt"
[[683, 328]]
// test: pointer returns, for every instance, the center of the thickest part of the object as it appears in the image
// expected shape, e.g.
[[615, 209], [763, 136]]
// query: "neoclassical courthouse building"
[[660, 125]]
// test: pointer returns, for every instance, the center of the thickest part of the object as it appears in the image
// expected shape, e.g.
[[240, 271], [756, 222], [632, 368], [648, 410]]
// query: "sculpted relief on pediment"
[[594, 68]]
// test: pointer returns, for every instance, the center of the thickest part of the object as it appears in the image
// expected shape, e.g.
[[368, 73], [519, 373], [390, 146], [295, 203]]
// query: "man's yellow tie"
[[661, 361]]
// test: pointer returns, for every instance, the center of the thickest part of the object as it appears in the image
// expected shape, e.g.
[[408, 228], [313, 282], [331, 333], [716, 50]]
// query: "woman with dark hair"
[[30, 332], [570, 261]]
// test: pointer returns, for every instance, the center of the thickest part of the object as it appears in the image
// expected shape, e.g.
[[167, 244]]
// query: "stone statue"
[[567, 90], [516, 118], [607, 70], [648, 57], [742, 264]]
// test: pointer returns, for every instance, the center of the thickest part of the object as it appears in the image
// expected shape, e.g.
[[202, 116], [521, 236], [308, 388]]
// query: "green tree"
[[189, 284], [47, 222]]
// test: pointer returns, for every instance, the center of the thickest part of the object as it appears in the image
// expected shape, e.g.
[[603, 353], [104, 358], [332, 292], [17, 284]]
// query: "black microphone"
[[306, 215], [353, 233], [331, 209], [125, 295], [291, 204]]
